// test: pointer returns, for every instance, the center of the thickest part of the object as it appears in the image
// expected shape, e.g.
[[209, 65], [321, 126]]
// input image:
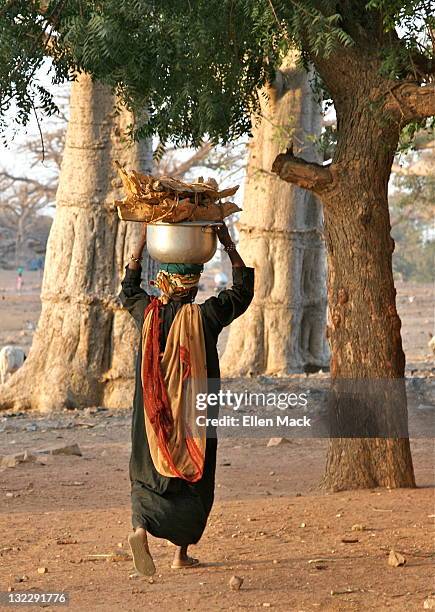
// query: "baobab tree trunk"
[[369, 443], [281, 236], [84, 345]]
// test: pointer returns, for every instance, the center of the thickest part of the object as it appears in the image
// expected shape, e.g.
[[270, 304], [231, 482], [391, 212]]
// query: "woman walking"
[[172, 464]]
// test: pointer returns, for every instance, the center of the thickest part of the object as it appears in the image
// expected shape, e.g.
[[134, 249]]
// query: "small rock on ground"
[[395, 559], [235, 583], [64, 449], [277, 441]]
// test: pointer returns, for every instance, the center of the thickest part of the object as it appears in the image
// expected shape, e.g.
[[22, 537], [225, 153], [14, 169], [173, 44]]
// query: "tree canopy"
[[190, 68]]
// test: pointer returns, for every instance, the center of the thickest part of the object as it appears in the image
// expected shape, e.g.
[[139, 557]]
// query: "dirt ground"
[[271, 525]]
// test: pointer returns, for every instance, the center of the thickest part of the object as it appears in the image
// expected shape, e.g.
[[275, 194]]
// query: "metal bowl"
[[187, 242]]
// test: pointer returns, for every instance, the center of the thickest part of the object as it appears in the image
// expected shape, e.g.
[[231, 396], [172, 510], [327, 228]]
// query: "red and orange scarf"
[[171, 382]]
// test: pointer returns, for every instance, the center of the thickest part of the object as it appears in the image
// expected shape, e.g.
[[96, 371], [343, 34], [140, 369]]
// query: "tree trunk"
[[369, 443], [281, 236], [368, 398], [84, 346]]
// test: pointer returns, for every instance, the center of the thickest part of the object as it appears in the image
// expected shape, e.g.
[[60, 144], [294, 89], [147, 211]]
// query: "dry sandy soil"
[[271, 524]]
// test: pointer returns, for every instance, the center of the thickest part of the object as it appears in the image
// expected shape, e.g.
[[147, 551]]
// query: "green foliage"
[[411, 131], [24, 34], [192, 68]]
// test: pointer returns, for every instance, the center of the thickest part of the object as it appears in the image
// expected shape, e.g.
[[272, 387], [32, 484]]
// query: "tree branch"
[[412, 101], [193, 160], [307, 175], [422, 167], [24, 179]]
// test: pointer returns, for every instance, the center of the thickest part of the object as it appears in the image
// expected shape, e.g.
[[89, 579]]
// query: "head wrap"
[[181, 268], [176, 280]]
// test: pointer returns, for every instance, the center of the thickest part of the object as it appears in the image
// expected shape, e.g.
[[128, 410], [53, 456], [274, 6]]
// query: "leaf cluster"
[[192, 69]]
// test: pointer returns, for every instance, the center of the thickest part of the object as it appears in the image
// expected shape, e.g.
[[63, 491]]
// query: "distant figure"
[[20, 271], [11, 358]]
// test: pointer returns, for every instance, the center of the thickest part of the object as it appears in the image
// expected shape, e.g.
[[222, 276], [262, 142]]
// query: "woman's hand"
[[142, 238], [136, 256], [143, 234], [223, 234], [225, 239]]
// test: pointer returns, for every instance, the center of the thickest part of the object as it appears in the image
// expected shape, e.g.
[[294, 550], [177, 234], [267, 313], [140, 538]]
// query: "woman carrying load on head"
[[172, 463]]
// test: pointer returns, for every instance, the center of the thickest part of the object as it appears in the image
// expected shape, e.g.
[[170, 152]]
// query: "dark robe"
[[173, 508]]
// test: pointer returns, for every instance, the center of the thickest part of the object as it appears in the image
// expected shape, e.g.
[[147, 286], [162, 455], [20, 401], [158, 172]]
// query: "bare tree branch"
[[411, 102], [422, 167], [229, 158], [25, 179], [193, 161], [305, 174]]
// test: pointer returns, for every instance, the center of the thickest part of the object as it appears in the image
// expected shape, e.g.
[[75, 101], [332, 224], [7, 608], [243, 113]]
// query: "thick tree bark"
[[84, 346], [369, 446], [364, 328], [281, 236]]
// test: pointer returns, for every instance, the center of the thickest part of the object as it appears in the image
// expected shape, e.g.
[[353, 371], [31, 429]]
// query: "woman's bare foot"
[[142, 559], [182, 559]]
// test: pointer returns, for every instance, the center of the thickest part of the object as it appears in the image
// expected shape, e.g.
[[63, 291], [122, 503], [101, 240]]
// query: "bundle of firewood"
[[152, 199]]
